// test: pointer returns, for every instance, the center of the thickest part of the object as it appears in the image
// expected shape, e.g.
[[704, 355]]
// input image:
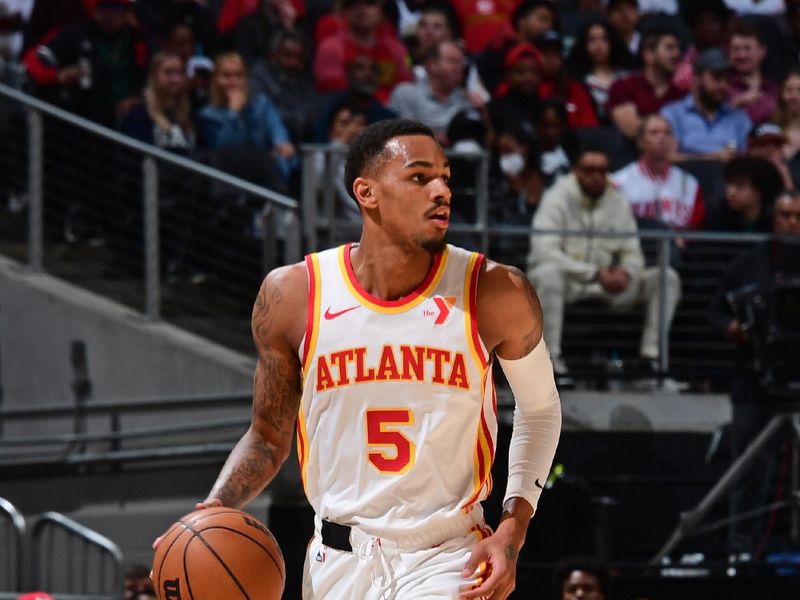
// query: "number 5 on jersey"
[[381, 433]]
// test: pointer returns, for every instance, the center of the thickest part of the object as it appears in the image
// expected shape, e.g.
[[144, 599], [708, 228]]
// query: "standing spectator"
[[284, 76], [565, 268], [255, 33], [236, 119], [98, 63], [555, 82], [362, 18], [623, 15], [436, 100], [704, 124], [753, 405], [517, 101], [634, 97], [558, 144], [598, 58], [655, 189], [787, 114], [530, 20], [767, 141], [580, 578], [362, 85], [751, 186], [749, 89]]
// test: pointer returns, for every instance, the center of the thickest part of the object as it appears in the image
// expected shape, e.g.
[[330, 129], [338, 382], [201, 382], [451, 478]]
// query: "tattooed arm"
[[510, 325], [278, 324]]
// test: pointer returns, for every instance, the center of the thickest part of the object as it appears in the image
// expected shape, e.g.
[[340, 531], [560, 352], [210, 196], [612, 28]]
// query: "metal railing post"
[[309, 199], [269, 246], [152, 280], [663, 326], [293, 247], [35, 190], [482, 200]]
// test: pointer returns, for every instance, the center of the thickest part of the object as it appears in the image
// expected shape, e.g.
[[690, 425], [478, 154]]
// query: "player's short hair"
[[369, 147]]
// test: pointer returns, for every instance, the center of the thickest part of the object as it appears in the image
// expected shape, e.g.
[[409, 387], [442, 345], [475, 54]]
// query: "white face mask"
[[512, 164]]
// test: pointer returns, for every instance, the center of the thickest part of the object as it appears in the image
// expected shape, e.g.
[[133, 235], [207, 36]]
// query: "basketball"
[[218, 553]]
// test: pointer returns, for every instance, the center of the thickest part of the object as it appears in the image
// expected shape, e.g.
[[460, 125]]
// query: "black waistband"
[[336, 536]]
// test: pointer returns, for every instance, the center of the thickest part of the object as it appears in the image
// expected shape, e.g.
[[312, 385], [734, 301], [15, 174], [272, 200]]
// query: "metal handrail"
[[109, 552], [148, 149], [17, 522]]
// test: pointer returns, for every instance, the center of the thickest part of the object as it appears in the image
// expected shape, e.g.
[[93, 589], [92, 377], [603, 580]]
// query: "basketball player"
[[380, 354]]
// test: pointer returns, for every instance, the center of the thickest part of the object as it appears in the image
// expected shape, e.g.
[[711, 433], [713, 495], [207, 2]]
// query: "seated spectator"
[[345, 124], [98, 64], [787, 114], [196, 15], [767, 141], [165, 118], [180, 40], [437, 99], [555, 82], [14, 17], [362, 85], [138, 585], [704, 124], [708, 23], [632, 98], [285, 78], [655, 189], [751, 187], [517, 101], [757, 7], [236, 119], [558, 144], [624, 17], [363, 19], [749, 89], [481, 24], [530, 20], [436, 24], [598, 58], [565, 268], [254, 36], [580, 577]]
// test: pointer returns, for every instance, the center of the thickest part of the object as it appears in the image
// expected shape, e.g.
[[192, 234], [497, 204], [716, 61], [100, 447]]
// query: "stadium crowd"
[[602, 115]]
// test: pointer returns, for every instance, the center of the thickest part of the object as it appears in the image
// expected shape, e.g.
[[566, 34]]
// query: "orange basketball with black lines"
[[218, 553]]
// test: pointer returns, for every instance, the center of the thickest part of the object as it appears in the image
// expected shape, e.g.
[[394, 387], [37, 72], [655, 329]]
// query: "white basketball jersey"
[[398, 419]]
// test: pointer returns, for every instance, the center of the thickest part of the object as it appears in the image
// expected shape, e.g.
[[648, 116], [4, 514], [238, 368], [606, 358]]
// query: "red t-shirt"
[[483, 20], [336, 51], [580, 110], [635, 88]]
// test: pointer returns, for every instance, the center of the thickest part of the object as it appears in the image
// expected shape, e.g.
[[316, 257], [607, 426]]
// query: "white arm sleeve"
[[537, 423]]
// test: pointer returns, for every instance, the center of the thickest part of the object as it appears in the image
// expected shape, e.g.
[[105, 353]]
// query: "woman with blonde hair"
[[787, 113], [236, 119], [165, 117]]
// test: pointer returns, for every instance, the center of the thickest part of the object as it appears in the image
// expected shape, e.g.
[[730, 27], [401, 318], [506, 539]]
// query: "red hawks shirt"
[[674, 198], [397, 425]]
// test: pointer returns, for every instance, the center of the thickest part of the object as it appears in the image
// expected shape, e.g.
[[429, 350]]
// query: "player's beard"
[[432, 245]]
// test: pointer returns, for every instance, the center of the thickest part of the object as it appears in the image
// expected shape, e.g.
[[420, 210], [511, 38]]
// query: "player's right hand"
[[210, 503]]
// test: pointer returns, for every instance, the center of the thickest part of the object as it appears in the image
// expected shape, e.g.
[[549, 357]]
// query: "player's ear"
[[363, 191]]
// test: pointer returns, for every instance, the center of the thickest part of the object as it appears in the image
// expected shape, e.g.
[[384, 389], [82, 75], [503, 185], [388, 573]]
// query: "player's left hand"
[[499, 552]]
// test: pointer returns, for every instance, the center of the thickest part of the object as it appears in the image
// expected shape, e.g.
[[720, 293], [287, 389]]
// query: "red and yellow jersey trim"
[[484, 452], [312, 317], [403, 304], [471, 310], [302, 446]]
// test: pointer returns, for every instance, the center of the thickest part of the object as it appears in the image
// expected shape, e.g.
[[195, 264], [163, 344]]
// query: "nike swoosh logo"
[[537, 484], [332, 315]]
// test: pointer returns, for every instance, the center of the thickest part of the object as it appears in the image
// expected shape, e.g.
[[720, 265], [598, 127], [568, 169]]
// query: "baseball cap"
[[713, 60], [766, 133], [519, 51]]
